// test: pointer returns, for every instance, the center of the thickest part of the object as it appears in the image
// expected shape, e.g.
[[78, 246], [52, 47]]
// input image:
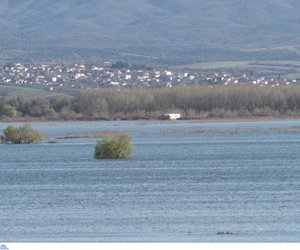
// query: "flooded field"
[[187, 182]]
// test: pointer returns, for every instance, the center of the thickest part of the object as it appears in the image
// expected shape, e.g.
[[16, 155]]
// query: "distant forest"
[[193, 102]]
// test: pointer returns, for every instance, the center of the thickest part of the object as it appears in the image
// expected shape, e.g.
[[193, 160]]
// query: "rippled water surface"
[[239, 183]]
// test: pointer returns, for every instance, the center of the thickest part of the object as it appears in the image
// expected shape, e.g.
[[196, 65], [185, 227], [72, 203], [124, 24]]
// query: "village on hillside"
[[107, 74]]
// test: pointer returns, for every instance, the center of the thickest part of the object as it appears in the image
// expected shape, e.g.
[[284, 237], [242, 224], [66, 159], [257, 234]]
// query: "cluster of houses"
[[54, 76]]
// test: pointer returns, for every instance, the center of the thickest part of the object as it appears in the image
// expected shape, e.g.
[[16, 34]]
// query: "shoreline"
[[196, 120]]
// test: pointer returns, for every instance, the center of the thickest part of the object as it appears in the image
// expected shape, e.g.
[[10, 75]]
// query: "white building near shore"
[[172, 116]]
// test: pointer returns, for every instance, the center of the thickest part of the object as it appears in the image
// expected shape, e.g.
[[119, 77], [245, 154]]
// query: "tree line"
[[198, 101]]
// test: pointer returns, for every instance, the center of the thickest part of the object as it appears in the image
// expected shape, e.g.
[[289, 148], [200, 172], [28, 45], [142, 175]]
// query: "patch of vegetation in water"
[[225, 233], [96, 134], [114, 147], [20, 135]]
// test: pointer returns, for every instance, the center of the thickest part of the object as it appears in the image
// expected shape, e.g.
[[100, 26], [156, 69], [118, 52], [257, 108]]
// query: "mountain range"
[[156, 31]]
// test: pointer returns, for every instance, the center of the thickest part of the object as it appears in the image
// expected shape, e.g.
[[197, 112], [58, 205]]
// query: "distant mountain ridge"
[[163, 31]]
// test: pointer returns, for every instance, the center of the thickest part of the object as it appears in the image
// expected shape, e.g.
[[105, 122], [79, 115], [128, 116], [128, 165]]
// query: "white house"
[[172, 116]]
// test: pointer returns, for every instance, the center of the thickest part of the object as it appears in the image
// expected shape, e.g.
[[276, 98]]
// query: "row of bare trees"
[[191, 101]]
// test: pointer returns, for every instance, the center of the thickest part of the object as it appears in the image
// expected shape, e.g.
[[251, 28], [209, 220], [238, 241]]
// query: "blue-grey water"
[[182, 185]]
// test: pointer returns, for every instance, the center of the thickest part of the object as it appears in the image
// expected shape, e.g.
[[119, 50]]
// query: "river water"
[[187, 182]]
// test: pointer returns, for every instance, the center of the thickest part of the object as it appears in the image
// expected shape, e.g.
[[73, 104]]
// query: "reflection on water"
[[181, 185]]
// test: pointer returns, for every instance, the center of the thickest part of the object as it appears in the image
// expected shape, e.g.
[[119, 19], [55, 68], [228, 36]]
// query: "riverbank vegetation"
[[22, 135], [95, 134], [192, 102]]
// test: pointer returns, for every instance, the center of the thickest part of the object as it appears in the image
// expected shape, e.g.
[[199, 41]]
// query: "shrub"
[[8, 111], [266, 111], [114, 147], [22, 135], [10, 134]]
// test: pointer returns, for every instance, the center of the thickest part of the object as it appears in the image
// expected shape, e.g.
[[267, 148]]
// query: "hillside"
[[161, 31]]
